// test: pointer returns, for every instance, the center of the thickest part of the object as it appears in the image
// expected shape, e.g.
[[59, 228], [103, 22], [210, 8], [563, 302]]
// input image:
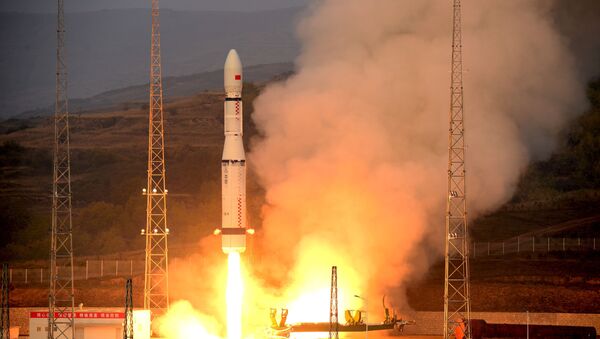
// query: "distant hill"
[[562, 189], [109, 49], [173, 87], [108, 167], [45, 6], [109, 150]]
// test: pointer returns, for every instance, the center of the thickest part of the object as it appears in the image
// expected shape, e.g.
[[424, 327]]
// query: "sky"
[[45, 6]]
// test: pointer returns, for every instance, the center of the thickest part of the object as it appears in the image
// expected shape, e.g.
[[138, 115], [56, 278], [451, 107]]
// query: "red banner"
[[80, 315]]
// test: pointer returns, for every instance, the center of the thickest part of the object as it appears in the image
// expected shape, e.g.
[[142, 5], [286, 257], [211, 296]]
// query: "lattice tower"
[[457, 307], [333, 306], [4, 301], [128, 326], [156, 282], [61, 294]]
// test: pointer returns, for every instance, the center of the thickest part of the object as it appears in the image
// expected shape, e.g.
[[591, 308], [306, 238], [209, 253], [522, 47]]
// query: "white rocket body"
[[233, 163]]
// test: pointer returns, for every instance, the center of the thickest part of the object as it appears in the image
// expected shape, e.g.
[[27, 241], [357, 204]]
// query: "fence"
[[534, 245], [92, 269]]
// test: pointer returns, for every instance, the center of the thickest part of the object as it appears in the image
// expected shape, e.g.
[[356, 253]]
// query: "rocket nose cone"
[[233, 72], [233, 60]]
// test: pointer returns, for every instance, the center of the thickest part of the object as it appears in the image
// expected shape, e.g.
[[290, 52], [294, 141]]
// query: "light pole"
[[366, 315]]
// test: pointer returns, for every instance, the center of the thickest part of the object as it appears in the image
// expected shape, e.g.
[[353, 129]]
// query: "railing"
[[531, 244], [91, 270]]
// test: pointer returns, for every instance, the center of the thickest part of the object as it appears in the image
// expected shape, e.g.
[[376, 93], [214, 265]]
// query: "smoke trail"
[[354, 152]]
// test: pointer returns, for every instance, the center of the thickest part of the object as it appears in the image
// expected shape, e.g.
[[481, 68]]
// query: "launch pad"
[[354, 319], [324, 327], [354, 323]]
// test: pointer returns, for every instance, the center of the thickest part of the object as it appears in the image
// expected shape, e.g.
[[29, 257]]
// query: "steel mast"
[[128, 326], [5, 304], [457, 305], [61, 295], [156, 278], [333, 306]]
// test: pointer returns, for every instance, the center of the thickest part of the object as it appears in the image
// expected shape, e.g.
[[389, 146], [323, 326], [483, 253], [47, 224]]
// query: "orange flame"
[[183, 322]]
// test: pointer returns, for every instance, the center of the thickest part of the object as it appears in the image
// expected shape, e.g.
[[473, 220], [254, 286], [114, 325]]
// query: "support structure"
[[333, 306], [61, 294], [156, 277], [457, 305], [128, 326], [4, 301]]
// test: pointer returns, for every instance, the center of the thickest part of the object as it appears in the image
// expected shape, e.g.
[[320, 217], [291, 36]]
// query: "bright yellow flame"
[[308, 296], [182, 321], [235, 293], [240, 301]]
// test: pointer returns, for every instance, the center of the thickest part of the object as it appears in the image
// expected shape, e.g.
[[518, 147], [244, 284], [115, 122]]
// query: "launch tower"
[[457, 306], [61, 294], [5, 304], [156, 277], [333, 306]]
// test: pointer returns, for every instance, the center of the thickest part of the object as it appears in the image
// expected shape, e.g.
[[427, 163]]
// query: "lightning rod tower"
[[5, 304], [333, 306], [457, 305], [61, 294], [128, 326], [156, 277]]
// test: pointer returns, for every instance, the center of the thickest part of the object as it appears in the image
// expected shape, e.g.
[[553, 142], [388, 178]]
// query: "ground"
[[515, 284], [518, 283]]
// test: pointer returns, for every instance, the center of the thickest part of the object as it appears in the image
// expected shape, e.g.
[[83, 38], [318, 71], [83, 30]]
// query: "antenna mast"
[[128, 326], [5, 304], [61, 296], [156, 282], [457, 305], [333, 306]]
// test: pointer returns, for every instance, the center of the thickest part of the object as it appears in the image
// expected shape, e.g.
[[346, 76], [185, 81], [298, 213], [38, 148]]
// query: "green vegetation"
[[576, 165], [564, 187], [108, 207], [108, 175]]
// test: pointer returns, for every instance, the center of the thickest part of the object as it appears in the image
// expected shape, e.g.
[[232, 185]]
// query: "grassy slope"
[[108, 172], [106, 192], [564, 187]]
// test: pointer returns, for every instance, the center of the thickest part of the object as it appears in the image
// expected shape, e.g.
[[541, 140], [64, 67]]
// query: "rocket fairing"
[[233, 163]]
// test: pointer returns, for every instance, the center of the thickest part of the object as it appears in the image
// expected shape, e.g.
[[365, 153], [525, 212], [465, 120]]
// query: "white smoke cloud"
[[354, 152]]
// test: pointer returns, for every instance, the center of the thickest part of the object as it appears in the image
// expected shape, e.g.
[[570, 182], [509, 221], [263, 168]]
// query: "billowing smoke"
[[354, 149]]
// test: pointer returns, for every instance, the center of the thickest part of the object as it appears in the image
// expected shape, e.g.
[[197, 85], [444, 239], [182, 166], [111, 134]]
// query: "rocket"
[[233, 162]]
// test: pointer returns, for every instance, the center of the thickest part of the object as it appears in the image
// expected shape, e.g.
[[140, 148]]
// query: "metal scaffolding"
[[457, 307], [333, 306], [128, 326], [61, 294], [156, 277], [5, 304]]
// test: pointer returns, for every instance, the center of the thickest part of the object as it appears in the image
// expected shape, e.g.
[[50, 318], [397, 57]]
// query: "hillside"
[[109, 49], [109, 164], [173, 87], [109, 155], [562, 188], [43, 6], [108, 172]]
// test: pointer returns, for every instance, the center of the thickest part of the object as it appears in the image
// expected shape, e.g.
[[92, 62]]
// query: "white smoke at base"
[[354, 152]]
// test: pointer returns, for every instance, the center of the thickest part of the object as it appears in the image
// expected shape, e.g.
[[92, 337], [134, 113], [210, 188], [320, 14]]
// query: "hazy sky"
[[90, 5]]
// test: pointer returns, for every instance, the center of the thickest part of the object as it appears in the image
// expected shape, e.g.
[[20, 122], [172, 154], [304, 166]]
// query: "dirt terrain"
[[515, 284], [518, 283], [108, 172]]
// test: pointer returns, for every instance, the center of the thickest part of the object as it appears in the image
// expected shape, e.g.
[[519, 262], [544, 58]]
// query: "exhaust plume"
[[353, 153]]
